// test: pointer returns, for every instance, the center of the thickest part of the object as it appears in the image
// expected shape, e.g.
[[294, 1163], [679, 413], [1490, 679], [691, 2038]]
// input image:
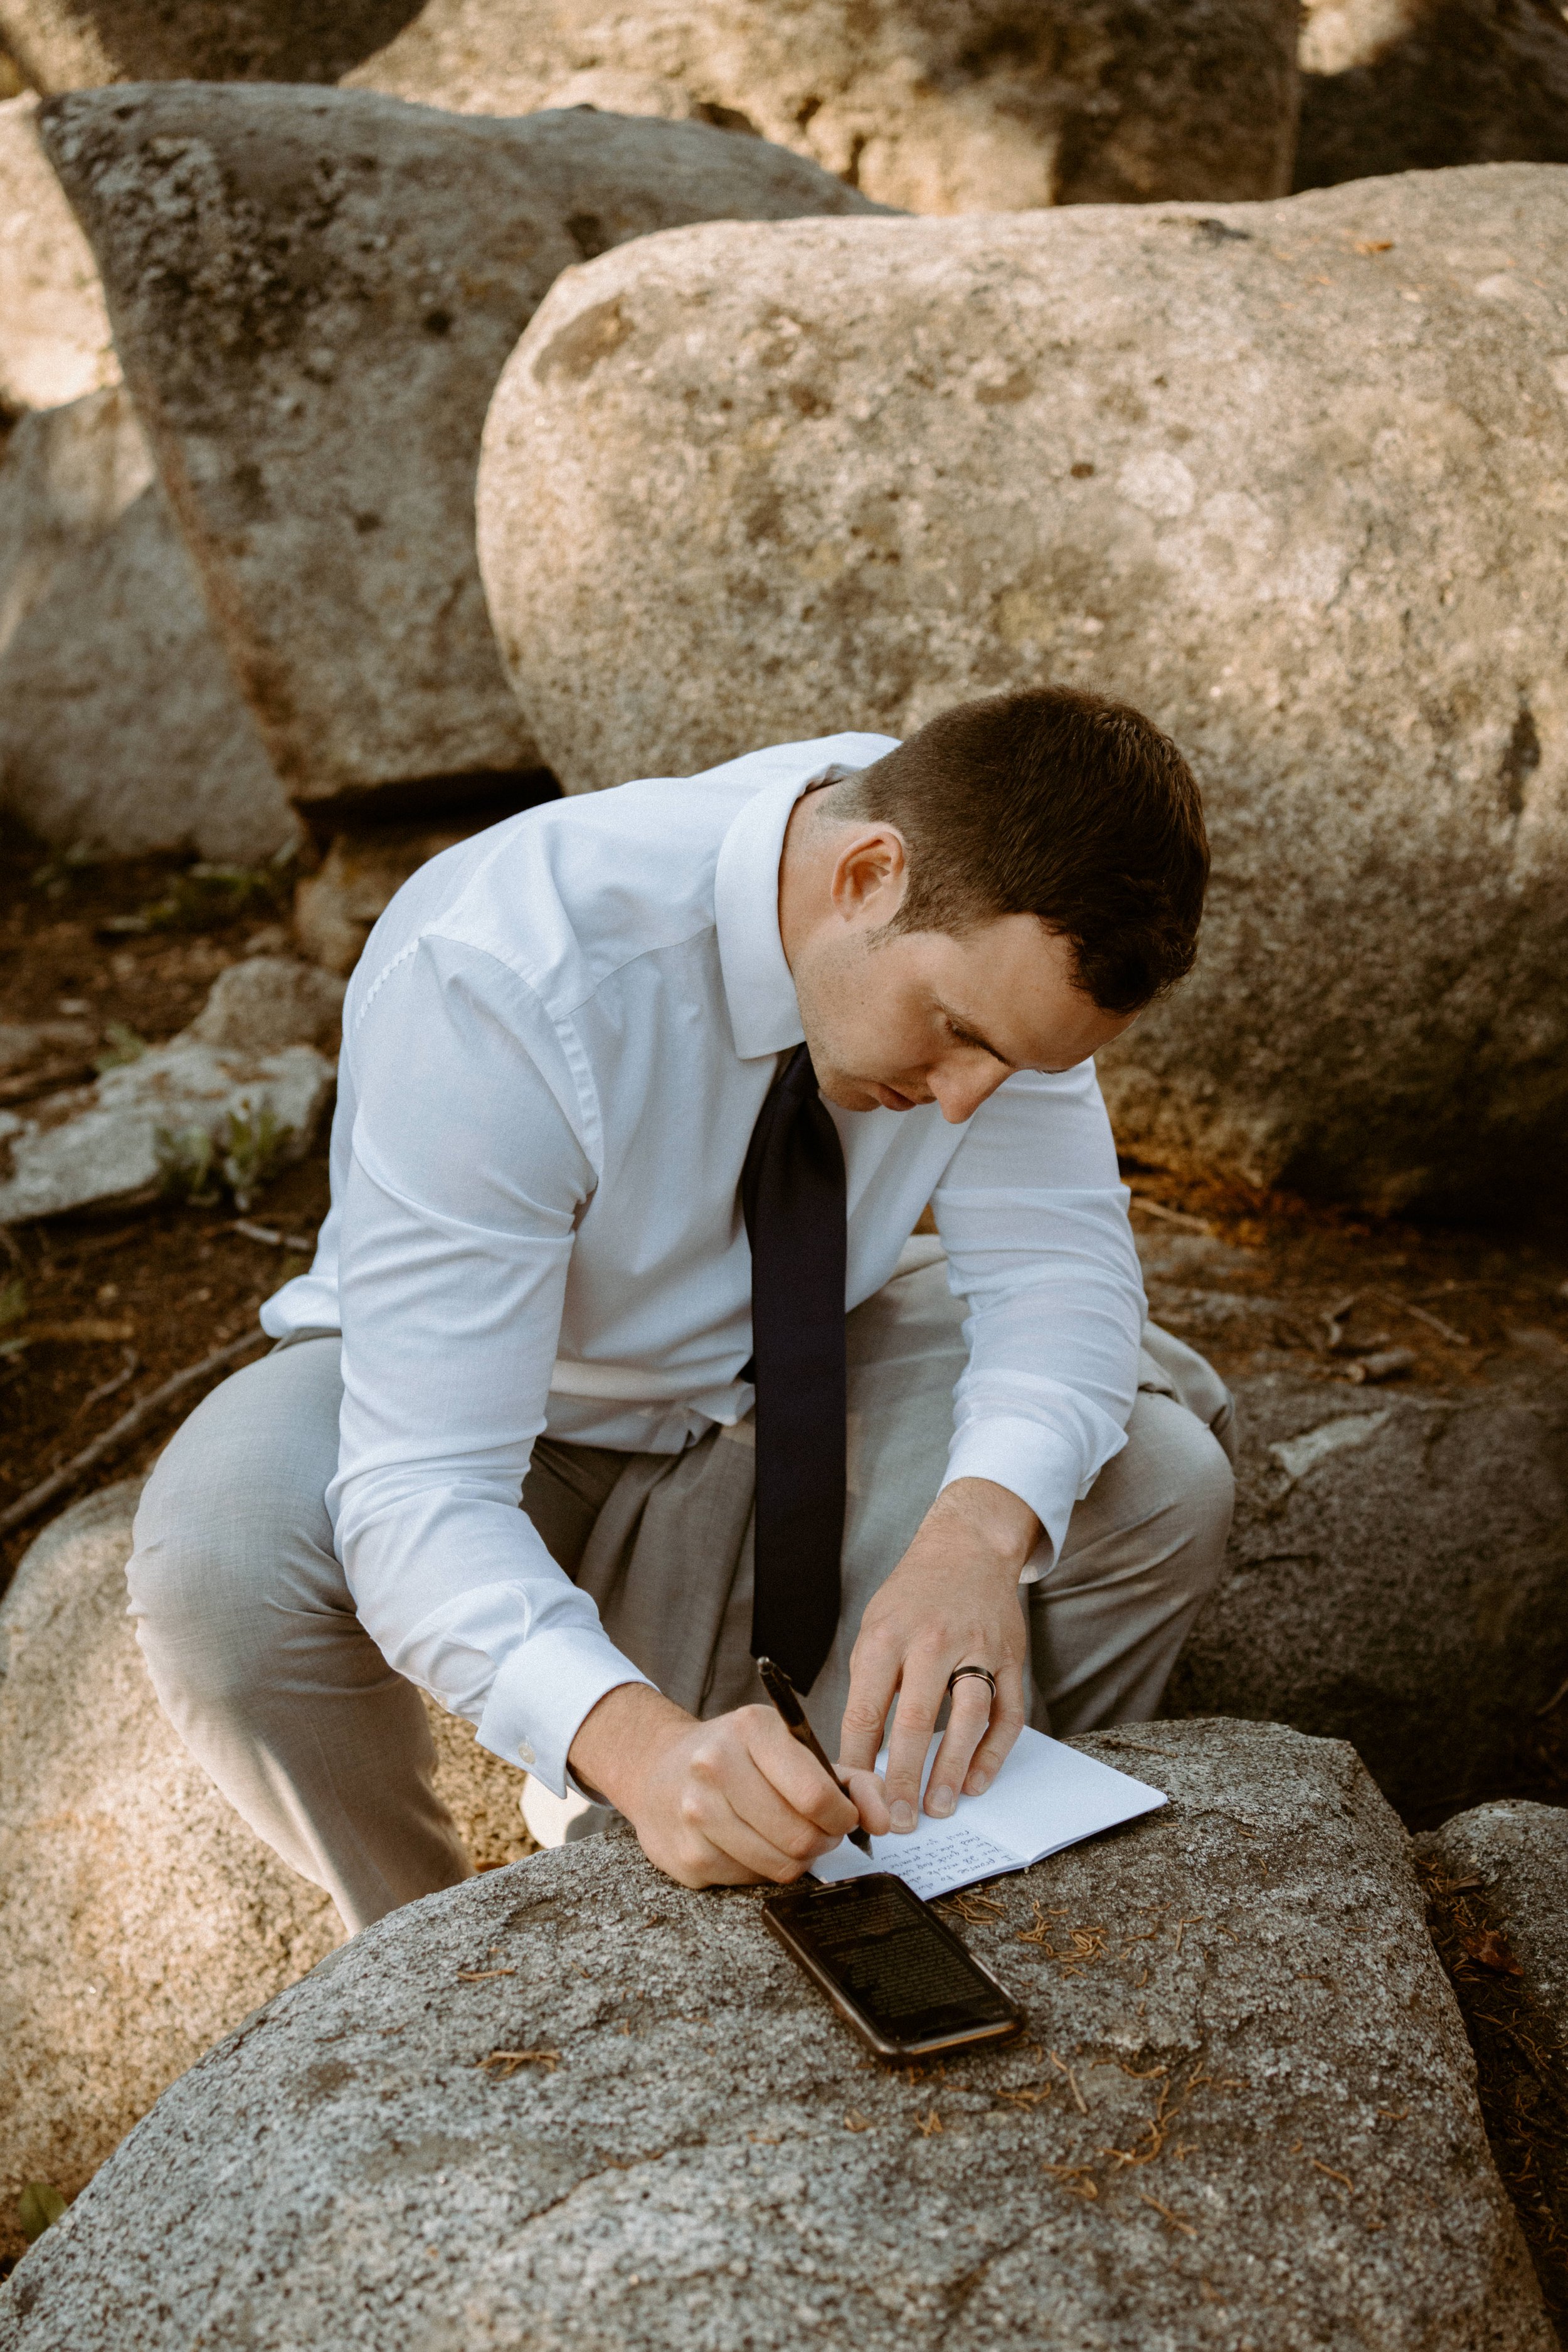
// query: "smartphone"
[[892, 1967]]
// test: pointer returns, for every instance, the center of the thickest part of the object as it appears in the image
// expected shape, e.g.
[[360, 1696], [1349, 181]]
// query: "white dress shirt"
[[556, 1046]]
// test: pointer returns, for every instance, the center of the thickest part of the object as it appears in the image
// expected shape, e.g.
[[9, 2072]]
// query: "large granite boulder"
[[122, 730], [140, 1918], [55, 343], [1397, 1576], [972, 106], [1412, 85], [313, 293], [1498, 1887], [573, 2105], [72, 43], [1290, 476]]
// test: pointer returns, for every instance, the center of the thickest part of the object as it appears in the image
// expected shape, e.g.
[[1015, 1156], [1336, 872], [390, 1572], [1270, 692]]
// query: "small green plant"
[[39, 2207], [195, 1166], [256, 1145], [121, 1045], [205, 897], [185, 1171], [55, 876]]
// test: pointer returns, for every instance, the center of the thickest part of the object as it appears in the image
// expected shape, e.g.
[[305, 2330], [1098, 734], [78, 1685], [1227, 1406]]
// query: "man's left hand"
[[952, 1601]]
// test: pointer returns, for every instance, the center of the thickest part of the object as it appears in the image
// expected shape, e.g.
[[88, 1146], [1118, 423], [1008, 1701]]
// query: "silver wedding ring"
[[981, 1673]]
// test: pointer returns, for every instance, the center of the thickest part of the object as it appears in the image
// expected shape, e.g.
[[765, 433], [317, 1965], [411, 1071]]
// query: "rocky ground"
[[98, 1310]]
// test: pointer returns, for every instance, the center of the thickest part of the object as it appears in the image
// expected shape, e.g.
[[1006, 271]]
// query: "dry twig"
[[974, 1907], [1189, 1224], [1333, 1318], [1444, 1330], [130, 1425], [1078, 2179], [273, 1239], [131, 1367], [1087, 1943], [1079, 2100], [1174, 2220]]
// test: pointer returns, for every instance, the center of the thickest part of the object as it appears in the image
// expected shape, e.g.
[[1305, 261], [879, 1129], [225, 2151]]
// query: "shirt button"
[[525, 1754]]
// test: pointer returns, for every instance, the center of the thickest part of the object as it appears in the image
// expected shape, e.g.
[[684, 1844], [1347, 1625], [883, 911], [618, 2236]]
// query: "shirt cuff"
[[542, 1694], [1036, 1463]]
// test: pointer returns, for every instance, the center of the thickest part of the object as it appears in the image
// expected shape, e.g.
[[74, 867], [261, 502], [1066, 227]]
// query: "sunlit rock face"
[[1288, 476], [313, 292], [936, 106]]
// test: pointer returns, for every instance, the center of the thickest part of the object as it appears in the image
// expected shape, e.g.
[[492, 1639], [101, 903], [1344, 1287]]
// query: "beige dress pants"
[[249, 1628]]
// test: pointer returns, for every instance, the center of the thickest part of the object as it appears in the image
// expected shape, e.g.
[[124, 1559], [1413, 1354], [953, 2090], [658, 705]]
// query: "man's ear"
[[870, 876]]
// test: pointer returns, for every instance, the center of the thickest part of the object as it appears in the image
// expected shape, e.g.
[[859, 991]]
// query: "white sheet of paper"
[[1045, 1797]]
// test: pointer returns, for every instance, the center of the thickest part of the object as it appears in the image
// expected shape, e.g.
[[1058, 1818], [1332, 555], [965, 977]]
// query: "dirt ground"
[[107, 1307]]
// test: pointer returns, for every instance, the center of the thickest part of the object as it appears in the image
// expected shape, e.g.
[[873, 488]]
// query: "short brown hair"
[[1057, 803]]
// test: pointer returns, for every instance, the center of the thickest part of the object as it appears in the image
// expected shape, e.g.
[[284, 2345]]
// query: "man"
[[642, 1097]]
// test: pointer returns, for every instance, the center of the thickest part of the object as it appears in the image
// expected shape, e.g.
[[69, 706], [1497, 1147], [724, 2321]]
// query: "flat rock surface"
[[121, 728], [974, 105], [1243, 2115], [1289, 476], [55, 343], [1421, 85], [313, 293], [140, 1918], [1397, 1575]]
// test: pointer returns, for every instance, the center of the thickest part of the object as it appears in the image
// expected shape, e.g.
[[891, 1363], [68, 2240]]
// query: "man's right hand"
[[724, 1803]]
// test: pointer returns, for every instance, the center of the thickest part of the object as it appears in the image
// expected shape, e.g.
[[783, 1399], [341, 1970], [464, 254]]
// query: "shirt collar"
[[765, 1014]]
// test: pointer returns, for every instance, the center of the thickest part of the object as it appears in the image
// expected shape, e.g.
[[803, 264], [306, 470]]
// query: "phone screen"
[[893, 1960]]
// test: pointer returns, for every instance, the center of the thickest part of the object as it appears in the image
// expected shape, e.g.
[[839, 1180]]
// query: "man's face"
[[897, 1018]]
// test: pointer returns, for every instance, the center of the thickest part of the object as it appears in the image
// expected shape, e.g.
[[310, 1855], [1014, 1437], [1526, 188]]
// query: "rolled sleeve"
[[1032, 1462], [1033, 1215]]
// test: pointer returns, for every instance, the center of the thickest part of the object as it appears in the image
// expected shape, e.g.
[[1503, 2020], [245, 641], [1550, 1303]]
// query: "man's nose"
[[960, 1092]]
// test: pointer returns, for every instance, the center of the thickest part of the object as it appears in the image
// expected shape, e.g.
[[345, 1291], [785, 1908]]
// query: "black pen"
[[786, 1698]]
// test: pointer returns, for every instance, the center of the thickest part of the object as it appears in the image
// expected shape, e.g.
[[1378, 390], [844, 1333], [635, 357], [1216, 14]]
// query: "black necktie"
[[792, 1189]]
